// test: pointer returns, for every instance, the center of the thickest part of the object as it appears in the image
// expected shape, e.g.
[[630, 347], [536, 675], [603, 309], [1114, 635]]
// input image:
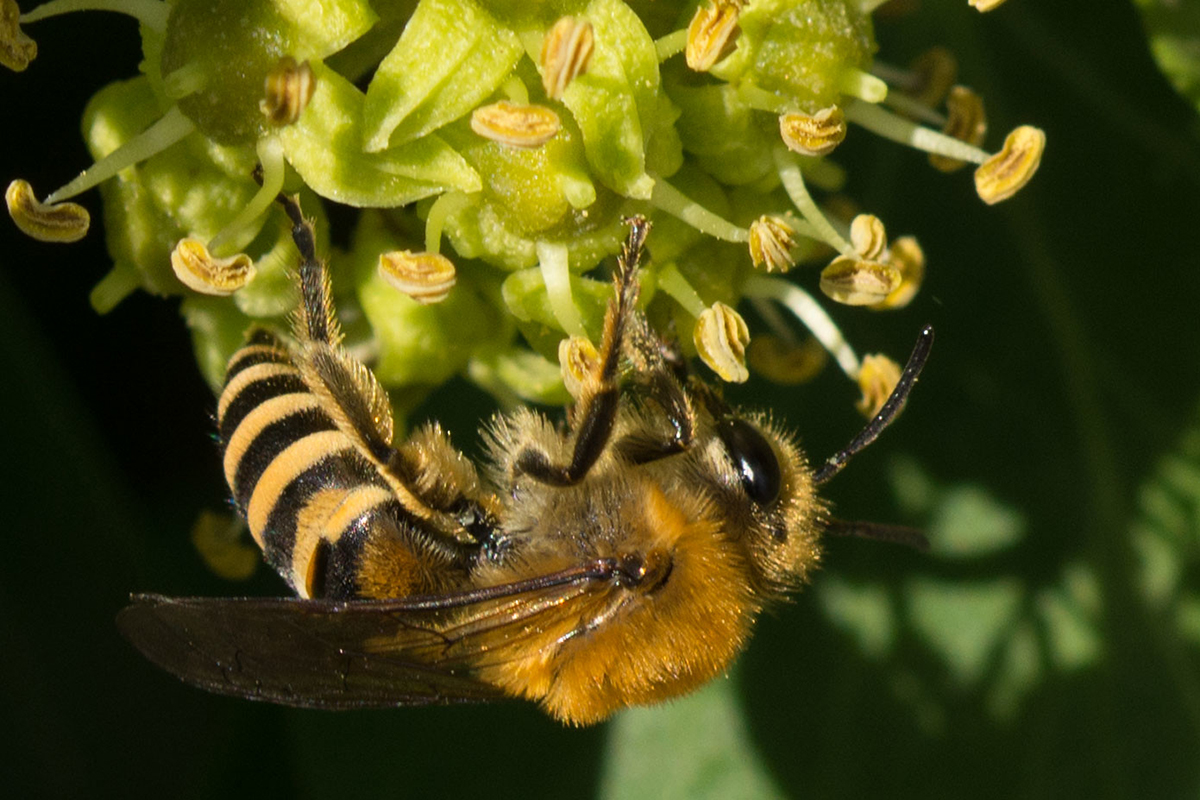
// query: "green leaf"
[[697, 747]]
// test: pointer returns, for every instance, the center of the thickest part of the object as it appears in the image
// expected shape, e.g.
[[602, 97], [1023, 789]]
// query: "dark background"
[[1066, 366]]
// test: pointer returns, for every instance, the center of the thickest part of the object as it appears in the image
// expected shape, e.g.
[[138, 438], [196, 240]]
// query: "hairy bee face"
[[621, 561]]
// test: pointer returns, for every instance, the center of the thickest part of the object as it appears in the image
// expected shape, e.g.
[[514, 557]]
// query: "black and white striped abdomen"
[[310, 497]]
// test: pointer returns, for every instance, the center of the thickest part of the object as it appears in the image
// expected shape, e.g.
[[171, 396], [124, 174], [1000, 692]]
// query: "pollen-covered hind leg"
[[352, 395], [599, 393]]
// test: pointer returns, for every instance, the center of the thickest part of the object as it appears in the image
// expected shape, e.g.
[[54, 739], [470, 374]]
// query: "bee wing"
[[356, 654]]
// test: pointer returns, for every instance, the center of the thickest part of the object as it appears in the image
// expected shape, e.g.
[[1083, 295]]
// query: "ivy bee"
[[618, 560]]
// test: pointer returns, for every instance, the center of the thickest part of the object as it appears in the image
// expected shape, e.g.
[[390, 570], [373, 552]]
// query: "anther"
[[712, 34], [965, 121], [425, 277], [784, 362], [877, 379], [985, 5], [566, 54], [868, 236], [46, 222], [908, 258], [814, 135], [1002, 175], [16, 49], [525, 126], [721, 337], [198, 270], [286, 91], [858, 282], [934, 72], [771, 242], [578, 360]]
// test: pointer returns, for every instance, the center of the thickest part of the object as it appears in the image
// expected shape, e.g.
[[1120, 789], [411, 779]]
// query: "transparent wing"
[[365, 653]]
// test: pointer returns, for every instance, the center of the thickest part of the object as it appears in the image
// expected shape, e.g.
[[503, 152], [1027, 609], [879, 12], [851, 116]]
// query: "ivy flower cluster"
[[493, 148]]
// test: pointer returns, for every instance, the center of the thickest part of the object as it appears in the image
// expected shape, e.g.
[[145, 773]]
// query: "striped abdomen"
[[311, 499]]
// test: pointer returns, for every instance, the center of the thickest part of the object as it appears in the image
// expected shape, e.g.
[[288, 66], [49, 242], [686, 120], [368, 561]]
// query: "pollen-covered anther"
[[934, 72], [516, 125], [908, 258], [857, 282], [985, 5], [721, 337], [814, 135], [566, 54], [16, 49], [287, 89], [966, 121], [868, 236], [712, 34], [771, 242], [1002, 175], [877, 378], [46, 222], [578, 360], [425, 277], [786, 363], [198, 270]]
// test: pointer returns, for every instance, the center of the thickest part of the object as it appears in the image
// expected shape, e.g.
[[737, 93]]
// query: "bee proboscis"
[[621, 560]]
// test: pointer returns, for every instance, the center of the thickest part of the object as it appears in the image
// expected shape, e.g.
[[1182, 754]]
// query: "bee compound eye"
[[754, 458]]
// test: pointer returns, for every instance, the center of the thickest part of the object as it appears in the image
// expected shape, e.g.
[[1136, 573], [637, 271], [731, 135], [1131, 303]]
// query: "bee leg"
[[652, 358], [359, 404], [599, 393]]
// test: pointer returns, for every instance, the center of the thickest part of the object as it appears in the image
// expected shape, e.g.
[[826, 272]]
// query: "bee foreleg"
[[599, 393]]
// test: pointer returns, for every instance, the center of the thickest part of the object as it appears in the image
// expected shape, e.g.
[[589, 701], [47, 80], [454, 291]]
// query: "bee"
[[618, 560]]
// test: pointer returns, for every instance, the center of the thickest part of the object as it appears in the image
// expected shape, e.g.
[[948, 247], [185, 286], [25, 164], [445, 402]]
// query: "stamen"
[[187, 80], [199, 271], [671, 281], [933, 72], [524, 126], [721, 336], [120, 282], [287, 89], [815, 135], [16, 49], [566, 54], [863, 85], [891, 126], [46, 222], [771, 242], [666, 197], [1006, 172], [151, 13], [908, 258], [868, 236], [857, 282], [793, 184], [556, 274], [877, 379], [671, 45], [784, 362], [425, 277], [966, 122], [811, 315], [446, 205], [712, 34], [242, 229], [168, 130], [578, 360], [985, 5]]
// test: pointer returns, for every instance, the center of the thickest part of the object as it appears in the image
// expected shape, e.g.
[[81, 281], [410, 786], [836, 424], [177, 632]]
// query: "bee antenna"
[[897, 534], [895, 403]]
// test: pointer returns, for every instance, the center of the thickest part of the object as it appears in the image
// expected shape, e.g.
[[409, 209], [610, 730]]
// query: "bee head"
[[763, 489]]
